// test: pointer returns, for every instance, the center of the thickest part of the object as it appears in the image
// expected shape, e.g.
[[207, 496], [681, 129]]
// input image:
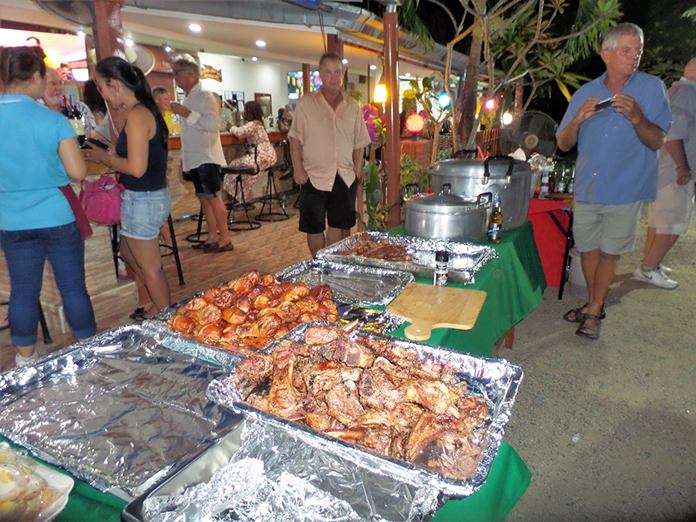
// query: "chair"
[[272, 191], [238, 199], [45, 333]]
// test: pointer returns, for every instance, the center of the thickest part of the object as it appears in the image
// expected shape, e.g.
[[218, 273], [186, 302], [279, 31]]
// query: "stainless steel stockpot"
[[447, 216], [509, 178]]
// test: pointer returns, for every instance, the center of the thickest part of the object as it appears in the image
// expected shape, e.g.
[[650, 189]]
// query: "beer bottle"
[[495, 221]]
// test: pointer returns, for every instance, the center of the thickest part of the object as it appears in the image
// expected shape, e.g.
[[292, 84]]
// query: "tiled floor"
[[270, 248]]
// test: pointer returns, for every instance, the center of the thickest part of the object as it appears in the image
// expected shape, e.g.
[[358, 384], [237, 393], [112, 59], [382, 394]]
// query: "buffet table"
[[507, 481], [514, 283]]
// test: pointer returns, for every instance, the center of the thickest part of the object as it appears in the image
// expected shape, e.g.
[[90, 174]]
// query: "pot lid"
[[443, 204], [474, 168]]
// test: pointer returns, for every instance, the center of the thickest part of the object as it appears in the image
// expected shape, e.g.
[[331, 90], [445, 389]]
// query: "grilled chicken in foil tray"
[[410, 254], [419, 414]]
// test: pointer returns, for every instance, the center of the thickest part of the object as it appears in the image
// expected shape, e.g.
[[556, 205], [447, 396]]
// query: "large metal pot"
[[446, 216], [509, 178]]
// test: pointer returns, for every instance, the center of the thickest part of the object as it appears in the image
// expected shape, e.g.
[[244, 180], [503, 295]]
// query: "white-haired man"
[[617, 163]]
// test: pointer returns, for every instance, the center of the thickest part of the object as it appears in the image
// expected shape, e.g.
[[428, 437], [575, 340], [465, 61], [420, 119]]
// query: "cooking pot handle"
[[466, 154], [410, 190], [446, 188], [484, 197], [486, 168]]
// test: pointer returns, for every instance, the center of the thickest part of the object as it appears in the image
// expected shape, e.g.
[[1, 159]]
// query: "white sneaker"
[[21, 361], [654, 277], [665, 269]]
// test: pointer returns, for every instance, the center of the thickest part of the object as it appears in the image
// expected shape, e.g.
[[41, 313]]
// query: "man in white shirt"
[[202, 153], [327, 140]]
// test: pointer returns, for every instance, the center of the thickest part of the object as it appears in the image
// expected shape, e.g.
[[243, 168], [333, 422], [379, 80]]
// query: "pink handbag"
[[101, 200]]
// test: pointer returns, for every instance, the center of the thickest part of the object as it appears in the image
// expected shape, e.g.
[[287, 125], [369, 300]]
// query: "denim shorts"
[[144, 213]]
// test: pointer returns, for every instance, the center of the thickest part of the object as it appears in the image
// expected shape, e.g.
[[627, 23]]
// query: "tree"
[[527, 44]]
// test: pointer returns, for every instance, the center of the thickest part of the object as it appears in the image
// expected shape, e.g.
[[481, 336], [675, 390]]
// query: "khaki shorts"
[[609, 228], [671, 212]]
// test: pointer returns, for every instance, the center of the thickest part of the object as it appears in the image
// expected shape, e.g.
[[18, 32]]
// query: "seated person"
[[254, 132]]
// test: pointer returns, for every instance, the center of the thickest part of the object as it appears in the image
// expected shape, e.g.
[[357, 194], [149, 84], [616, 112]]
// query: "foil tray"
[[119, 410], [495, 380], [465, 259], [259, 472], [354, 284]]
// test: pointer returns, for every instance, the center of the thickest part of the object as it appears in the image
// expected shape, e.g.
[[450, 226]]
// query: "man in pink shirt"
[[327, 140]]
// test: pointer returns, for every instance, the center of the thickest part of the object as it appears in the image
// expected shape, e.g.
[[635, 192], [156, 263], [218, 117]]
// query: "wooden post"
[[391, 76], [369, 85], [107, 29], [306, 81]]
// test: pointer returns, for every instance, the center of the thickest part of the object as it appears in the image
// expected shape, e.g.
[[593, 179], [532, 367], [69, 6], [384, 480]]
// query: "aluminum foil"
[[118, 411], [272, 475], [369, 320], [495, 380], [354, 284], [465, 259]]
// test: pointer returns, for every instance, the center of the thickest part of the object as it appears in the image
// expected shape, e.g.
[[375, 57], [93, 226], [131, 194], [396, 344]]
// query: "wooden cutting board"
[[427, 307]]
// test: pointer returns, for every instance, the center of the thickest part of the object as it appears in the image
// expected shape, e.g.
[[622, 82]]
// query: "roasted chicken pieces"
[[373, 393], [246, 314]]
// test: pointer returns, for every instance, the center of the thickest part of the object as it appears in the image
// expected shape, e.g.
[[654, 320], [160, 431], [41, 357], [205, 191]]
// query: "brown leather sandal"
[[576, 315], [591, 331]]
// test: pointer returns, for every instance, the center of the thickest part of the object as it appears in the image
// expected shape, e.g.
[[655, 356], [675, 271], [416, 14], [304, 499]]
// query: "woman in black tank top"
[[141, 161]]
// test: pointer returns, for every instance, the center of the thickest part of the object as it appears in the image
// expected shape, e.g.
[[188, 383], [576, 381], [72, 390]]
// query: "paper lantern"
[[415, 124]]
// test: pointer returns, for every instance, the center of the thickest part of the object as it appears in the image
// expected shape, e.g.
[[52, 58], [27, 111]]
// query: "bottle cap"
[[442, 256]]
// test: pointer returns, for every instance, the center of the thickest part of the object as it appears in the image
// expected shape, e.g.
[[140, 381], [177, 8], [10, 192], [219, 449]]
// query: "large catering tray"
[[119, 410], [465, 259], [354, 284], [259, 472], [495, 380]]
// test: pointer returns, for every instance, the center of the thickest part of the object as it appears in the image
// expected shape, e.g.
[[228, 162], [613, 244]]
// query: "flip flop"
[[587, 330], [203, 246], [576, 315], [139, 314], [220, 248]]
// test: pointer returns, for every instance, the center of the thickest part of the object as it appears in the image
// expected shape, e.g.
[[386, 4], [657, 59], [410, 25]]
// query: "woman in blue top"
[[39, 153], [141, 159]]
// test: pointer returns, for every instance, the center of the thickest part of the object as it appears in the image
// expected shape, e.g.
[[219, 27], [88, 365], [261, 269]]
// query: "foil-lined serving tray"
[[495, 380], [119, 410], [465, 259], [354, 284], [259, 472]]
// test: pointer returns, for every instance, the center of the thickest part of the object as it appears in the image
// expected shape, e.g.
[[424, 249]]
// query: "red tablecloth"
[[549, 238]]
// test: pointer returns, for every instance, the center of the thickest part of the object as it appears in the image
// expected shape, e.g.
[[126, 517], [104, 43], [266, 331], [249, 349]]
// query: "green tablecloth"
[[514, 283]]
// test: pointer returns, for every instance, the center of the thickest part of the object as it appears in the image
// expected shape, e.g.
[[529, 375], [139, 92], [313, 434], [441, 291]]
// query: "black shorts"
[[207, 180], [336, 207]]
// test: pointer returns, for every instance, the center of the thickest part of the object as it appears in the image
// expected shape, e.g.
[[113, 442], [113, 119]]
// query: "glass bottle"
[[440, 276], [495, 221]]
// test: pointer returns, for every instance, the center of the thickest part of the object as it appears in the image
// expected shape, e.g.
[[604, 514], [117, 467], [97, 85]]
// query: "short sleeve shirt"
[[614, 167], [328, 138], [682, 99], [30, 168]]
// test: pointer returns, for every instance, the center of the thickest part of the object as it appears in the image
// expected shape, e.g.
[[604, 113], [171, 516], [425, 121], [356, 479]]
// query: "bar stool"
[[195, 237], [272, 194], [238, 199], [172, 250], [45, 333]]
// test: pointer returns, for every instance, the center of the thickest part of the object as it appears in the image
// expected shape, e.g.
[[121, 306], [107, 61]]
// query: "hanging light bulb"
[[380, 93]]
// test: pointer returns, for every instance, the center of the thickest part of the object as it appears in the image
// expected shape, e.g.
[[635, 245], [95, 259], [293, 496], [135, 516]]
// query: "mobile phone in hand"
[[603, 104], [95, 143]]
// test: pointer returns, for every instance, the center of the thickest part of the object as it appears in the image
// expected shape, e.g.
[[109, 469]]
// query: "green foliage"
[[413, 173], [374, 207]]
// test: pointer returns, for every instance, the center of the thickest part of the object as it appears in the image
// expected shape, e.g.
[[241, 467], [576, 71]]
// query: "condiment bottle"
[[495, 221], [440, 276]]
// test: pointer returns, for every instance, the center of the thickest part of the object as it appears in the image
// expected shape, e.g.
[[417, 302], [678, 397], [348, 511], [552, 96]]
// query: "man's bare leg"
[[316, 242], [334, 235], [603, 277], [209, 219], [649, 240], [589, 261], [220, 211], [660, 245]]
